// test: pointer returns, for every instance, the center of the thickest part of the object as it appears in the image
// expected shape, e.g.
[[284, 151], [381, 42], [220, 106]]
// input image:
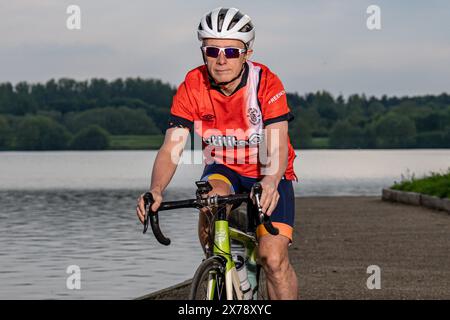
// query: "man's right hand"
[[140, 208]]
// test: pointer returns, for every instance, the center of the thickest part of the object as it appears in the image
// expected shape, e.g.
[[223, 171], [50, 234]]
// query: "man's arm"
[[277, 156], [164, 167], [167, 159]]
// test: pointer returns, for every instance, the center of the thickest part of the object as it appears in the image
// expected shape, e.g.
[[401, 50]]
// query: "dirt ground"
[[337, 238]]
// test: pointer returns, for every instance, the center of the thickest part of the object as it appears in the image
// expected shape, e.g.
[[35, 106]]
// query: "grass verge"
[[436, 184]]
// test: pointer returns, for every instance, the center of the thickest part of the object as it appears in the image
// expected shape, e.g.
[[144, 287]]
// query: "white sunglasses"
[[229, 52]]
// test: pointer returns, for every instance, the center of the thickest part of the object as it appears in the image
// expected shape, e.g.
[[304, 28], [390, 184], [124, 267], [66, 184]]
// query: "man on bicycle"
[[238, 108]]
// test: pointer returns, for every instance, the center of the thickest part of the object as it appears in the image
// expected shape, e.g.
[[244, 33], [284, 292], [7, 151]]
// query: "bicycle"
[[217, 277]]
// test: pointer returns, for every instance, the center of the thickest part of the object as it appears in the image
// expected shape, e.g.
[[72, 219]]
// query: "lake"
[[59, 209]]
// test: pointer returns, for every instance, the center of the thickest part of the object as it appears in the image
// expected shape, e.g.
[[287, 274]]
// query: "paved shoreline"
[[337, 238]]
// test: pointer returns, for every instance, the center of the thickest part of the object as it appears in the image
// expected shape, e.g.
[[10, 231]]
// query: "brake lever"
[[148, 199], [154, 220], [263, 218]]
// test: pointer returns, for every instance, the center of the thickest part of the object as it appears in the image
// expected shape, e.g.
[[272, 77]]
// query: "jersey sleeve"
[[181, 114], [274, 104]]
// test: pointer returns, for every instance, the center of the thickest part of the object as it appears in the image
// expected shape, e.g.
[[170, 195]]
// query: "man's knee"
[[220, 188], [275, 265], [273, 256]]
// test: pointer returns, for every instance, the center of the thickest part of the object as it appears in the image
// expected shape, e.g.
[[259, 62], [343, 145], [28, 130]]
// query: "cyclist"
[[239, 108]]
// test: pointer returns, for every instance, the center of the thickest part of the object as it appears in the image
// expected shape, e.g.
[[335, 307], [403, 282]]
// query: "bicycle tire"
[[210, 266]]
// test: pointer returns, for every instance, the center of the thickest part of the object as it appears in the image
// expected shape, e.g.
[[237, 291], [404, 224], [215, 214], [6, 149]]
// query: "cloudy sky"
[[311, 45]]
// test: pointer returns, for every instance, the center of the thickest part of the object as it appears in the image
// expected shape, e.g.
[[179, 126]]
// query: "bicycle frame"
[[222, 236]]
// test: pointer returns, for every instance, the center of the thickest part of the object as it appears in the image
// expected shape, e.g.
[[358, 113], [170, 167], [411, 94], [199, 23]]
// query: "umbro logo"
[[207, 117]]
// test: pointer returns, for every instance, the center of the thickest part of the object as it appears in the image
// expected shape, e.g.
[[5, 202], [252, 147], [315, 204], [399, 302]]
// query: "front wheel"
[[209, 280]]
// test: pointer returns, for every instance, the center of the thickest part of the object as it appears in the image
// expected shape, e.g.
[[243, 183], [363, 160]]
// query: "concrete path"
[[337, 238]]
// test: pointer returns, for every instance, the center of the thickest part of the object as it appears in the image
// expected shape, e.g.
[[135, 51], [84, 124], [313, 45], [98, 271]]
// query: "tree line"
[[85, 115], [361, 122]]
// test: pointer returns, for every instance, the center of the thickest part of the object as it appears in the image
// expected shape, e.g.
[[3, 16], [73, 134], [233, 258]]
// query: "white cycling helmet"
[[227, 23]]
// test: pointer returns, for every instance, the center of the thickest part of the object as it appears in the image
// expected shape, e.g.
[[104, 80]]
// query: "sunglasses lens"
[[231, 53], [212, 52]]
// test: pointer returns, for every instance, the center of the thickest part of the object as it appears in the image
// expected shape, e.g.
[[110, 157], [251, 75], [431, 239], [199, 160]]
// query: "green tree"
[[325, 105], [406, 106], [118, 121], [430, 120], [5, 133], [355, 110], [315, 122], [160, 116], [375, 108], [431, 139], [300, 133], [91, 138], [395, 131], [446, 138], [41, 133], [7, 97], [344, 135]]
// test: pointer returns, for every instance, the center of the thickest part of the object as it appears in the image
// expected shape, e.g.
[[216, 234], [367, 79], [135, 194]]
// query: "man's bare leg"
[[220, 188], [280, 275]]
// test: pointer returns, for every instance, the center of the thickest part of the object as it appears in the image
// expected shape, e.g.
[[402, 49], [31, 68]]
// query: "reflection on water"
[[77, 208], [42, 233]]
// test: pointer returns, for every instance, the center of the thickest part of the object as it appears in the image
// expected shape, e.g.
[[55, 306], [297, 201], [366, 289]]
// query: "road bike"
[[222, 275]]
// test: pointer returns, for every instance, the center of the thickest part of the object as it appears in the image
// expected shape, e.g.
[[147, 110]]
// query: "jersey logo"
[[277, 96], [231, 141], [207, 117], [253, 116]]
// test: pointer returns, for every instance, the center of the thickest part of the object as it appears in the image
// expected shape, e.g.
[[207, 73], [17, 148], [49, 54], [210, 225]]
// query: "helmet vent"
[[248, 27], [235, 20], [221, 18], [208, 21]]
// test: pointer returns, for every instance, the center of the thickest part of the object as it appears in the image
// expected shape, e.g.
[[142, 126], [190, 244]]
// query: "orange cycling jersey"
[[231, 126]]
